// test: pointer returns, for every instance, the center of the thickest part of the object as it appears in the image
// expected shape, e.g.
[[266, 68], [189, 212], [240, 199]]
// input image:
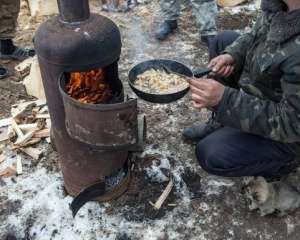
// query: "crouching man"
[[255, 129]]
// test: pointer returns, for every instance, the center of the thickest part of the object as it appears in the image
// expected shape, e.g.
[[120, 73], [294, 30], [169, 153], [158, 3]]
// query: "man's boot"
[[9, 51], [200, 131], [165, 29]]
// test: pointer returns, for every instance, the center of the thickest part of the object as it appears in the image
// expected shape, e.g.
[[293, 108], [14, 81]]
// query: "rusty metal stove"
[[94, 141]]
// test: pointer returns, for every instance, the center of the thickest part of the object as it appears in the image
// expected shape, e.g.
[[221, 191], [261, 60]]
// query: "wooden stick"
[[19, 165], [25, 138], [164, 195], [32, 152]]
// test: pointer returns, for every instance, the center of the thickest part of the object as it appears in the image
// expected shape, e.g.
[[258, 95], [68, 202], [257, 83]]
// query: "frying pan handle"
[[198, 73]]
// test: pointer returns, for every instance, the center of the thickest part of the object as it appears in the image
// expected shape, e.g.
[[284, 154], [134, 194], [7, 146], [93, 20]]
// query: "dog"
[[278, 197]]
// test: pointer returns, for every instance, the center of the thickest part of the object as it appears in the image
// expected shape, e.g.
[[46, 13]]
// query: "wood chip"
[[48, 139], [164, 195], [19, 165], [25, 138], [42, 133], [32, 152], [8, 172], [38, 116], [5, 122]]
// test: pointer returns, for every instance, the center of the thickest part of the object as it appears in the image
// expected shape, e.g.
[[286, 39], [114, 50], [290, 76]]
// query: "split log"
[[19, 168], [32, 152], [39, 116], [25, 138], [16, 128], [164, 195], [28, 143], [42, 133], [29, 127], [19, 109], [5, 122], [8, 172]]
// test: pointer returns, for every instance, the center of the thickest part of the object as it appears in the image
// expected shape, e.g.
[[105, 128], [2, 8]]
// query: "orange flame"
[[89, 87]]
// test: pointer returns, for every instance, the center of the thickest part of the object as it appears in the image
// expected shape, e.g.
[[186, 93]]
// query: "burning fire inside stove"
[[89, 87]]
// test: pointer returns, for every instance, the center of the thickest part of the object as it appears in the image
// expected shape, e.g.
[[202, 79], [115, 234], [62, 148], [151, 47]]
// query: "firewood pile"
[[28, 125]]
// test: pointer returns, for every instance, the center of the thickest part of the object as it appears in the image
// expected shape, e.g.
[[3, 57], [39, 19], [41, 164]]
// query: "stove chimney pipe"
[[72, 11]]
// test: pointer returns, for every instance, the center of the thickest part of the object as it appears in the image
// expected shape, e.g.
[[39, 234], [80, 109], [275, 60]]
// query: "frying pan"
[[171, 66]]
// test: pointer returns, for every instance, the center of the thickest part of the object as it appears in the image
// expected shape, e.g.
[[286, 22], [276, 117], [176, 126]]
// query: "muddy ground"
[[201, 206]]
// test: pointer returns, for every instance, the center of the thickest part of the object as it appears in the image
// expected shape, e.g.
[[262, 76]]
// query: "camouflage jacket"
[[268, 101]]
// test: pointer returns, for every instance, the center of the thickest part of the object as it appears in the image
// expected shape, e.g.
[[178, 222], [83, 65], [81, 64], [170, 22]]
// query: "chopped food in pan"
[[159, 82]]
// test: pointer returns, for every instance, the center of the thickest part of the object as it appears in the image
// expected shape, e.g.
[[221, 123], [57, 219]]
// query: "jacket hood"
[[284, 26]]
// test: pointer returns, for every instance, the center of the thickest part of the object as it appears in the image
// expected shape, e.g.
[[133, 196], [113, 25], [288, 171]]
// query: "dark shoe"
[[19, 54], [208, 39], [201, 131], [3, 72], [166, 28]]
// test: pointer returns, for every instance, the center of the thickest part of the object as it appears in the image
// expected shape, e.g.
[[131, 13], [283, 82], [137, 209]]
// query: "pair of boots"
[[9, 51], [169, 26]]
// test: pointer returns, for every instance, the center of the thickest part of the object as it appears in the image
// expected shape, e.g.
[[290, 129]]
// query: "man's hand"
[[206, 92], [222, 65]]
